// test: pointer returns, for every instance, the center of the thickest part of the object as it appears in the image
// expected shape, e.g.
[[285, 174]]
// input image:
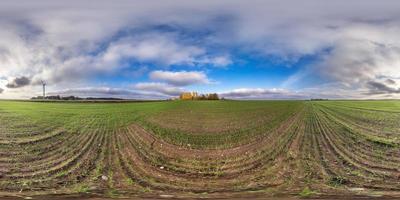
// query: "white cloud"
[[221, 61], [162, 49], [262, 93], [76, 41], [361, 54], [180, 78], [162, 88], [172, 83], [218, 61]]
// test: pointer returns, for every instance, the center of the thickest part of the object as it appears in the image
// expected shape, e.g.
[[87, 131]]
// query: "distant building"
[[188, 96], [196, 96]]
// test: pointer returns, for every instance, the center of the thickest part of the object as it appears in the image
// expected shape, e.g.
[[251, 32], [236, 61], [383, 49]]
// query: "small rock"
[[28, 198], [356, 189], [104, 178], [162, 167], [166, 196]]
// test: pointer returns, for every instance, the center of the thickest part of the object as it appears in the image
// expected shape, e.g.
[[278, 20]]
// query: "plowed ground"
[[208, 149]]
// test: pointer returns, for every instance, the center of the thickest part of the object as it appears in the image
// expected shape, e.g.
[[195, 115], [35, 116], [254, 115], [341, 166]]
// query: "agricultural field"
[[200, 149]]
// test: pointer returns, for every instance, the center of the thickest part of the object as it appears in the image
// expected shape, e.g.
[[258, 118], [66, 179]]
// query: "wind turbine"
[[44, 89]]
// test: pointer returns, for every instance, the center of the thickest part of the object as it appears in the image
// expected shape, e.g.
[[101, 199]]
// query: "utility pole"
[[44, 89]]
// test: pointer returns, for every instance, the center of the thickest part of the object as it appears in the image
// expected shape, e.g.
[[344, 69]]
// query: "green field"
[[200, 148]]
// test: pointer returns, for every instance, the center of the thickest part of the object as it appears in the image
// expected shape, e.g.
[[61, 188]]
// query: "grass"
[[219, 123], [306, 192], [197, 147], [82, 188]]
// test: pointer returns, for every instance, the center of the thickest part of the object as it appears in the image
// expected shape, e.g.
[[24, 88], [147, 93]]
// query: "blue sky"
[[242, 50]]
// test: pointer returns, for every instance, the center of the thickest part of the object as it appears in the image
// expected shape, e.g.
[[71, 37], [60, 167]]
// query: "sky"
[[156, 49]]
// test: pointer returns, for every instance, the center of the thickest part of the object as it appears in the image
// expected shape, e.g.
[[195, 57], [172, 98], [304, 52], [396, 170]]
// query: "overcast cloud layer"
[[155, 49]]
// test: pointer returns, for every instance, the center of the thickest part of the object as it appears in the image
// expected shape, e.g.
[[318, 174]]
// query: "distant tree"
[[213, 96], [319, 99], [53, 97], [202, 97], [71, 98]]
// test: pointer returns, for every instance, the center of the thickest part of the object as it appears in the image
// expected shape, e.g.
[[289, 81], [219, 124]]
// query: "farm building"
[[188, 96], [196, 96]]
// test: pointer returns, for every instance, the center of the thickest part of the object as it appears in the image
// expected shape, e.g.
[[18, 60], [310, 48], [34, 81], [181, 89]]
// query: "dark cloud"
[[390, 81], [261, 93], [1, 90], [18, 82], [381, 88]]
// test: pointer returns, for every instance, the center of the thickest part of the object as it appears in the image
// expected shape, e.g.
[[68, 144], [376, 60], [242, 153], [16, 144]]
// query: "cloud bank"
[[181, 78], [18, 82], [262, 93], [162, 88], [107, 92], [171, 83], [355, 44]]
